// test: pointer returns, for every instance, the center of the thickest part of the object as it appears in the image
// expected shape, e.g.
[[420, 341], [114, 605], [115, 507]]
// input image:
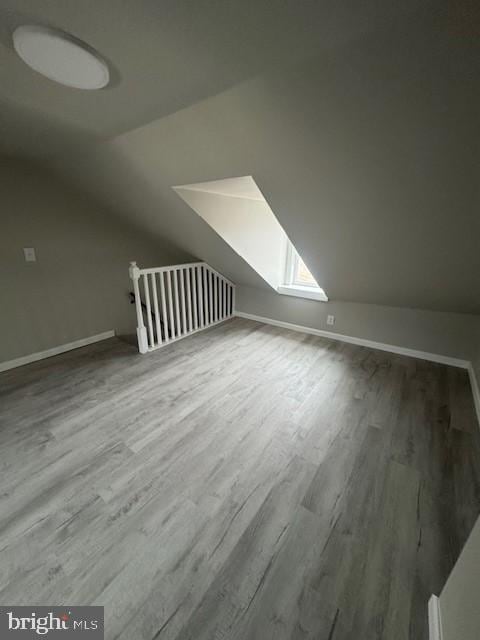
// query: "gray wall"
[[368, 158], [476, 367], [449, 334], [78, 286], [476, 357]]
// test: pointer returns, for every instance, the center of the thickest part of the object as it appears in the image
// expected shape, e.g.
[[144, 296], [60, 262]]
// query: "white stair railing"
[[178, 300]]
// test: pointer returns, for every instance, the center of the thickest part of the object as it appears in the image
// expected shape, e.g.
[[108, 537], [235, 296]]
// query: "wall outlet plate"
[[330, 320], [29, 253]]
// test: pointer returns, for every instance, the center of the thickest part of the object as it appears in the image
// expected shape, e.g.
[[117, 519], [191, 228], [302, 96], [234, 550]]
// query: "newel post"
[[134, 272]]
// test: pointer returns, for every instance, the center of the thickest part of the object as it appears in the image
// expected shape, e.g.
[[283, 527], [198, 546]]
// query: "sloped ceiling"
[[366, 150], [163, 55]]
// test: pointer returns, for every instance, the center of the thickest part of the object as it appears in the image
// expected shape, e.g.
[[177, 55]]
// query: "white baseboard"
[[434, 619], [403, 351], [40, 355], [475, 389]]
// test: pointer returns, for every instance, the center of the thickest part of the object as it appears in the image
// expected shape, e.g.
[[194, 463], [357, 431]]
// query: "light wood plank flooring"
[[246, 483]]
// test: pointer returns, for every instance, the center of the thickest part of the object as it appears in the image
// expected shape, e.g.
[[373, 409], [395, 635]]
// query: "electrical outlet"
[[330, 319], [29, 253]]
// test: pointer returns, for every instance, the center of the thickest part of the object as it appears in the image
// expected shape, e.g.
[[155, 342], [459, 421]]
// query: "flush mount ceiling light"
[[60, 57]]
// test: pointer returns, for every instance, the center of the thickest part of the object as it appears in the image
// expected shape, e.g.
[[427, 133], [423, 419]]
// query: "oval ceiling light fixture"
[[60, 57]]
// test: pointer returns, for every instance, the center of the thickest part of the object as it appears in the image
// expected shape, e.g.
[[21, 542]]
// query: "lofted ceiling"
[[163, 55], [358, 121]]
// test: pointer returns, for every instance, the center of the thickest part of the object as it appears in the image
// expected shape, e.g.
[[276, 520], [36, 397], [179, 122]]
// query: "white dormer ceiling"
[[243, 187], [366, 148], [237, 211]]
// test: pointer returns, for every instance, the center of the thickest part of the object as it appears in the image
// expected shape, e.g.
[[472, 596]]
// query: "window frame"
[[292, 260], [291, 286]]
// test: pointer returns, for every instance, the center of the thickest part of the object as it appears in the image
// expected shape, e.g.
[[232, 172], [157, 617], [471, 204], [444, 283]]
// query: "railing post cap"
[[134, 271]]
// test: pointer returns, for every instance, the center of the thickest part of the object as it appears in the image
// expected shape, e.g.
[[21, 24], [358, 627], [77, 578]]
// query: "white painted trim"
[[40, 355], [311, 293], [413, 353], [434, 619], [475, 389]]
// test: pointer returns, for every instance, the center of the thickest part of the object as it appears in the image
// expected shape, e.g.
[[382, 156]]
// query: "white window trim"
[[290, 287], [312, 293], [290, 254]]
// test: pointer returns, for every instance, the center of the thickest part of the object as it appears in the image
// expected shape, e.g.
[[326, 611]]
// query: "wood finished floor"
[[247, 483]]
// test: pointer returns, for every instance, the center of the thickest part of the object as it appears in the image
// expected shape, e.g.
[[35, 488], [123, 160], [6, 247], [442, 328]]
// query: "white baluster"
[[149, 309], [177, 305], [187, 274], [163, 302], [141, 331], [233, 300], [170, 303], [153, 279], [194, 298], [210, 299], [225, 294], [201, 299], [183, 301], [205, 297], [224, 298]]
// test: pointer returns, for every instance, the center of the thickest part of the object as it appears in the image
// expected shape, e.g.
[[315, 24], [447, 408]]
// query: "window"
[[296, 271], [298, 280]]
